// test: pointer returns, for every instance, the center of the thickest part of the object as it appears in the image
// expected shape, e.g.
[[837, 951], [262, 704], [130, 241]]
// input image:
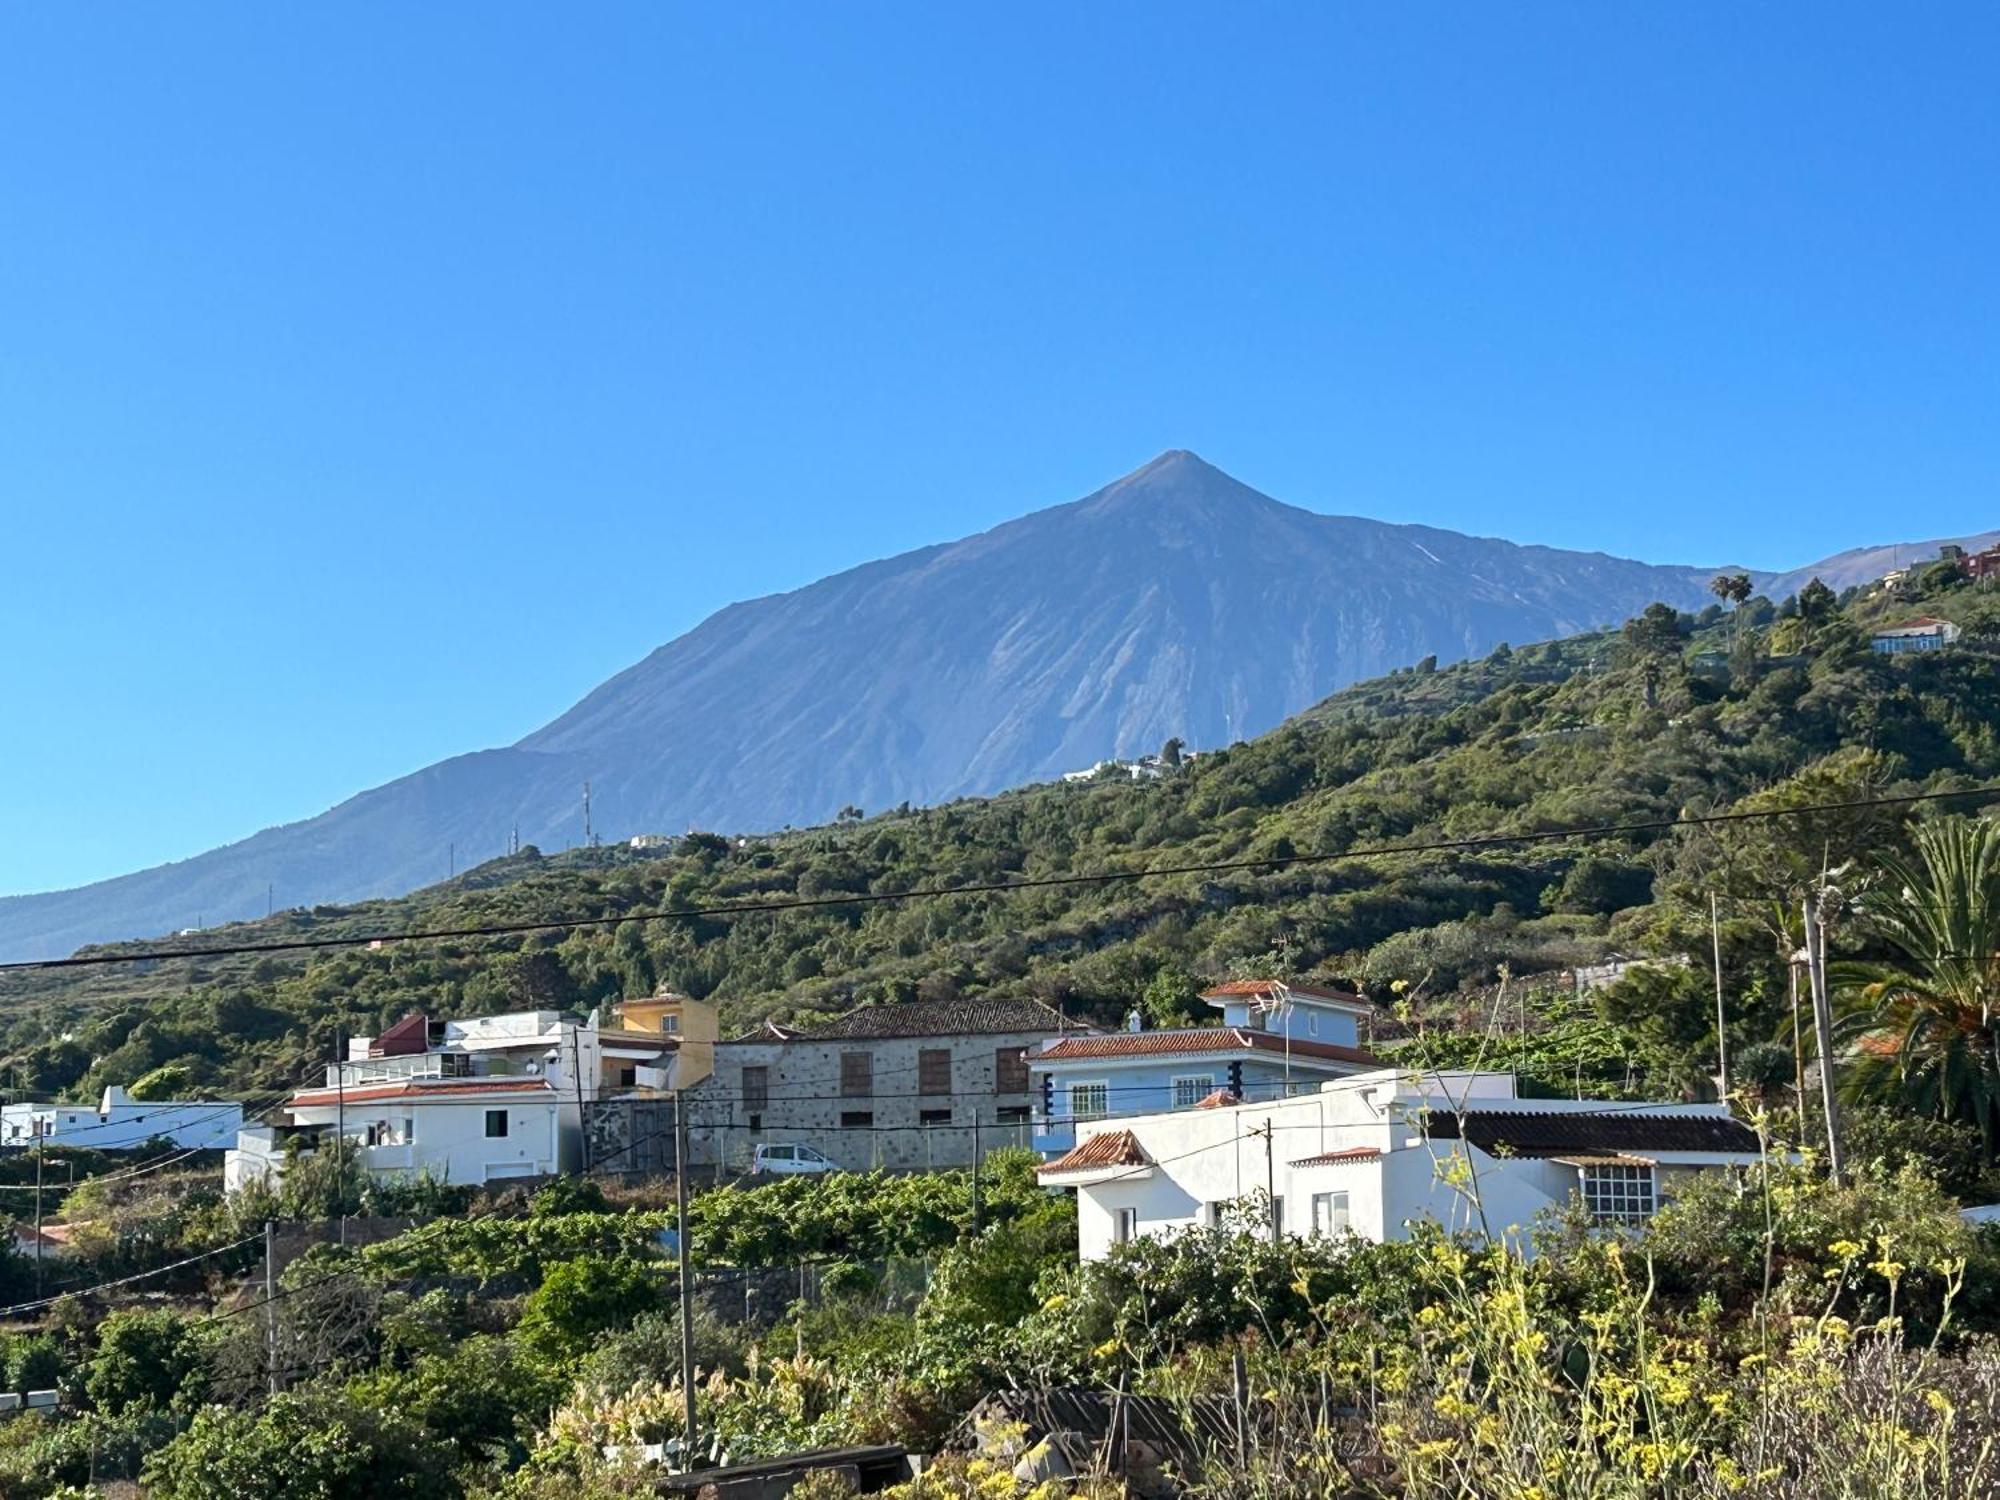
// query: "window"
[[496, 1124], [934, 1117], [934, 1070], [1215, 1215], [1330, 1213], [756, 1123], [1124, 1225], [1010, 1071], [1278, 1214], [856, 1119], [1312, 1023], [1013, 1114], [670, 1023], [1192, 1089], [627, 1077], [1089, 1101], [1617, 1194], [857, 1075], [756, 1090]]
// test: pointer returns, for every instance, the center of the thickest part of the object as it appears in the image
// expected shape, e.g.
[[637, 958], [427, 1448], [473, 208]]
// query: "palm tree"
[[1928, 1024], [1732, 589]]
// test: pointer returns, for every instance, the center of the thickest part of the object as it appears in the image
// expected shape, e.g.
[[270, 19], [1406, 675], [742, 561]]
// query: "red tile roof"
[[1257, 989], [421, 1089], [1110, 1148], [1331, 1158], [1220, 1099], [1198, 1039]]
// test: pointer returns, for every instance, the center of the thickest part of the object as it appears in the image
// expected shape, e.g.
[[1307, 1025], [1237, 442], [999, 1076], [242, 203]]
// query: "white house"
[[466, 1101], [1924, 633], [121, 1122], [1373, 1153]]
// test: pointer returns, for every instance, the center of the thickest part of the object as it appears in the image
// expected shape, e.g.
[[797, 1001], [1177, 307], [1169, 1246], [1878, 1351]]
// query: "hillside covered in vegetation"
[[1674, 715]]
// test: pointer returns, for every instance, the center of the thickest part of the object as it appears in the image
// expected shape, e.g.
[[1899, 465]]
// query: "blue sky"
[[375, 379]]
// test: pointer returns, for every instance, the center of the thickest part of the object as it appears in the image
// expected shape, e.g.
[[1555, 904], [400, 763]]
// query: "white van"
[[783, 1160]]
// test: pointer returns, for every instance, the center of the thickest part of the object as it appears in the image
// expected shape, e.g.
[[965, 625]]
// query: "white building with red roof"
[[478, 1100], [1275, 1039]]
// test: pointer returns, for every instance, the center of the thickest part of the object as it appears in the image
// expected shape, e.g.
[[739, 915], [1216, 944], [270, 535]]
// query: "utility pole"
[[687, 1272], [340, 1125], [1269, 1130], [1721, 1036], [271, 1304], [40, 1132], [1822, 1029], [975, 1167], [582, 1125], [589, 838], [451, 861]]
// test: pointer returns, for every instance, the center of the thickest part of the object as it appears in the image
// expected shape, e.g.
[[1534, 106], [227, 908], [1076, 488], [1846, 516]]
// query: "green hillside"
[[1675, 714]]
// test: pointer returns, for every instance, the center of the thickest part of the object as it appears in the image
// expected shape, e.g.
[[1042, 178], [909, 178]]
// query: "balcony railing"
[[358, 1073]]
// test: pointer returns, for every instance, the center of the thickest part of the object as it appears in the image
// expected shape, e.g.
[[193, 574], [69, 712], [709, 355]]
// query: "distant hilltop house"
[[121, 1122], [1924, 633], [1273, 1039], [1378, 1152], [1145, 768]]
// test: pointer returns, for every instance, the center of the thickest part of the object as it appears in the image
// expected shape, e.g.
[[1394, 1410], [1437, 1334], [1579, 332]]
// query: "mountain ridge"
[[1174, 601]]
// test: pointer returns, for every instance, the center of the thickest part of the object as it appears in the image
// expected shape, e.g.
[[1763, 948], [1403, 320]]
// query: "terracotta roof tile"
[[1220, 1099], [421, 1089], [1332, 1158], [1254, 989], [1110, 1148], [1198, 1039], [918, 1018]]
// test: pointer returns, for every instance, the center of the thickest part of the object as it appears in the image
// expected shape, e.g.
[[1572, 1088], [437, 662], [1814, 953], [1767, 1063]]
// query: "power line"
[[21, 1307], [997, 888]]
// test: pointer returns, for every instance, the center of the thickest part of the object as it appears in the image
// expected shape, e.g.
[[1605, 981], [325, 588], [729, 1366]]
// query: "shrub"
[[310, 1445]]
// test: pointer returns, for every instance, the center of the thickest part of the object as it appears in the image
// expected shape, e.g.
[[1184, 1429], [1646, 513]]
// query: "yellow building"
[[661, 1012]]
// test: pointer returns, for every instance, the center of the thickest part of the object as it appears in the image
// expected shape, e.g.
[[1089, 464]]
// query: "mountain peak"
[[1176, 480]]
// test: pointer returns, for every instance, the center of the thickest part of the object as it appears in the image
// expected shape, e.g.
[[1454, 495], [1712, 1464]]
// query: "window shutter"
[[934, 1070], [756, 1089], [857, 1075], [1010, 1071]]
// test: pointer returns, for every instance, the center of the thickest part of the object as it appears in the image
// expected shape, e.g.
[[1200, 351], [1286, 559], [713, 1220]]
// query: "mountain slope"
[[1175, 601]]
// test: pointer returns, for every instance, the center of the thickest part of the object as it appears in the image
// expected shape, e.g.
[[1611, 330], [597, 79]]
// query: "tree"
[[144, 1361], [1656, 631], [540, 981], [1170, 752], [581, 1298], [1929, 1022], [1653, 635], [168, 1081], [309, 1445], [1817, 603], [1172, 998], [1732, 589]]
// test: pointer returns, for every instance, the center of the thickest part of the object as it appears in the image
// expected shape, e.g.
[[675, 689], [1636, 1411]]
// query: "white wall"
[[193, 1124], [448, 1137]]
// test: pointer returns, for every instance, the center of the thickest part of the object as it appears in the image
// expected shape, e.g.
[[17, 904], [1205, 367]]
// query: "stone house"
[[903, 1087]]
